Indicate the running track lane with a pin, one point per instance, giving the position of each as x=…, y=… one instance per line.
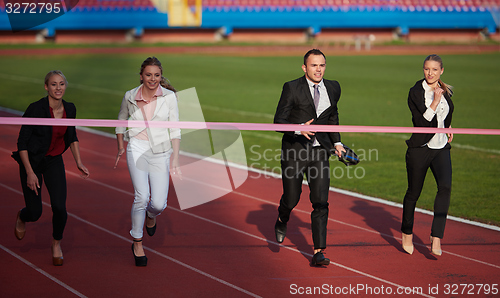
x=224, y=248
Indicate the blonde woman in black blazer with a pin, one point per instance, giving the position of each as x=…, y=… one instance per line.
x=430, y=104
x=39, y=154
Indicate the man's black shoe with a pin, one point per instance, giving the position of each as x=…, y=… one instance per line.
x=280, y=231
x=319, y=259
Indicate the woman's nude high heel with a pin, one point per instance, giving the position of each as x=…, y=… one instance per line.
x=436, y=252
x=405, y=240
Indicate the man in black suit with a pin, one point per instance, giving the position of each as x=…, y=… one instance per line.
x=308, y=100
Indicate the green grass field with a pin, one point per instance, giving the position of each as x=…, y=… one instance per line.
x=247, y=89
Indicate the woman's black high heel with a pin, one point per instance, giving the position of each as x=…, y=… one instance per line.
x=139, y=261
x=151, y=231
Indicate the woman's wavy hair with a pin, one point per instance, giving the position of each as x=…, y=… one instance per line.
x=165, y=83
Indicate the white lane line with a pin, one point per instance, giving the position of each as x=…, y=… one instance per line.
x=277, y=176
x=377, y=200
x=57, y=281
x=330, y=219
x=73, y=85
x=244, y=233
x=125, y=239
x=218, y=224
x=334, y=220
x=218, y=109
x=248, y=234
x=358, y=195
x=293, y=249
x=461, y=146
x=369, y=230
x=54, y=279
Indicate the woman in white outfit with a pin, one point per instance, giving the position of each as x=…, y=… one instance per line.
x=150, y=150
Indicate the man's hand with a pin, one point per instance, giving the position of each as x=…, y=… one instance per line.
x=339, y=149
x=307, y=134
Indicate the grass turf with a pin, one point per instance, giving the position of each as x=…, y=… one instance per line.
x=247, y=89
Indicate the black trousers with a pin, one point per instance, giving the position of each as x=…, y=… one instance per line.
x=418, y=161
x=313, y=162
x=51, y=169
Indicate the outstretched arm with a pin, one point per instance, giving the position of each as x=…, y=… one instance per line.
x=121, y=148
x=75, y=149
x=176, y=170
x=32, y=180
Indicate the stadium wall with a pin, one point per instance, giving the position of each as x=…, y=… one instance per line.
x=269, y=24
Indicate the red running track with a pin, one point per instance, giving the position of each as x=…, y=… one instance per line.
x=226, y=248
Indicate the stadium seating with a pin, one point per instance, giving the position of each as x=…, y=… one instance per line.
x=312, y=15
x=115, y=5
x=294, y=5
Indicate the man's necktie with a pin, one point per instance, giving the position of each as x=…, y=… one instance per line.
x=316, y=96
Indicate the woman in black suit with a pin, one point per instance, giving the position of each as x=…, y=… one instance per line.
x=431, y=106
x=39, y=154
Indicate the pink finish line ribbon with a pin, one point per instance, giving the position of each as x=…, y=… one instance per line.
x=239, y=126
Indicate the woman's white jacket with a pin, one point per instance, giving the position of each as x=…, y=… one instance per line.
x=166, y=110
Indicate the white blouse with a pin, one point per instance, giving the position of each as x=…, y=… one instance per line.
x=439, y=140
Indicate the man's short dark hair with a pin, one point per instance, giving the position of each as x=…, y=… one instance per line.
x=313, y=52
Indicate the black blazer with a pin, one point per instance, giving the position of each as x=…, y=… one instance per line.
x=36, y=138
x=416, y=103
x=296, y=106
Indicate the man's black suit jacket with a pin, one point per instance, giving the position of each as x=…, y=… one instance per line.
x=296, y=106
x=36, y=139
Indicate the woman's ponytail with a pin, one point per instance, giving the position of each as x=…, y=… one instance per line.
x=165, y=83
